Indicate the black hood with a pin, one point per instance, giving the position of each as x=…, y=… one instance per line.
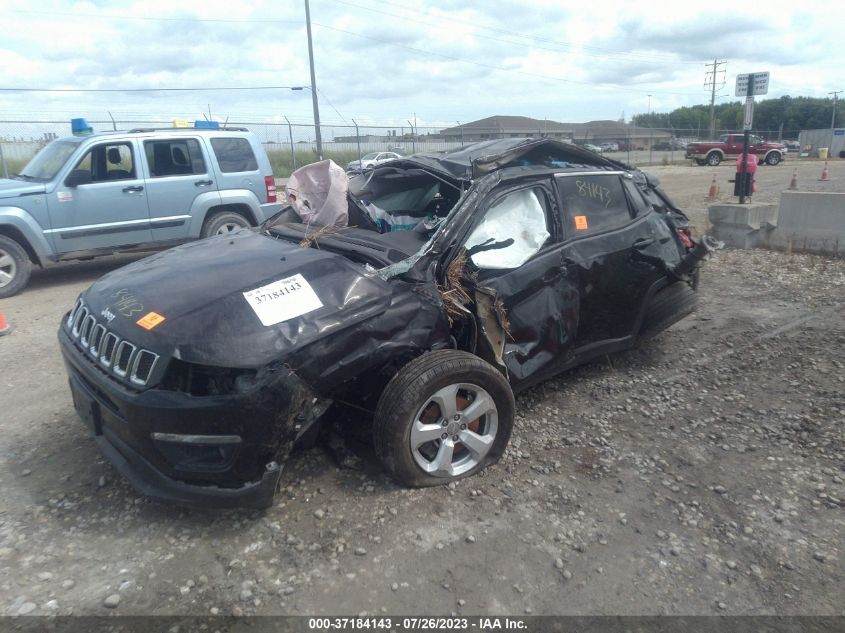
x=198, y=289
x=479, y=159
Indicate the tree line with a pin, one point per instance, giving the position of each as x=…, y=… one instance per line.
x=785, y=116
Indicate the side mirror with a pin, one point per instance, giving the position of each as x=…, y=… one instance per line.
x=78, y=177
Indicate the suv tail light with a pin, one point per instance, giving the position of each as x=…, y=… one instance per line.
x=271, y=188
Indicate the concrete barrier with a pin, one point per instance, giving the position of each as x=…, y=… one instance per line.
x=743, y=225
x=805, y=221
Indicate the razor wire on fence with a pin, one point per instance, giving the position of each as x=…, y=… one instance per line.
x=290, y=145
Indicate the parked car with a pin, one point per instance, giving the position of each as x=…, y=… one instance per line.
x=85, y=196
x=592, y=148
x=792, y=146
x=198, y=369
x=661, y=146
x=368, y=161
x=609, y=147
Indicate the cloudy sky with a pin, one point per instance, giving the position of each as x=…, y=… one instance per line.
x=384, y=61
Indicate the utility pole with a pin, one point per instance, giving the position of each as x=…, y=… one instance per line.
x=711, y=78
x=833, y=114
x=318, y=137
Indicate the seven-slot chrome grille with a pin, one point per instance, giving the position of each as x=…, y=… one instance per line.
x=122, y=358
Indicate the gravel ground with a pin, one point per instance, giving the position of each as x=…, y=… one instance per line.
x=701, y=473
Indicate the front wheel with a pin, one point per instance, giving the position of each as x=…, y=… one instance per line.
x=714, y=158
x=222, y=223
x=446, y=415
x=15, y=267
x=773, y=158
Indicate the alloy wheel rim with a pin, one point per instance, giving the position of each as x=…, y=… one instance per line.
x=8, y=268
x=454, y=430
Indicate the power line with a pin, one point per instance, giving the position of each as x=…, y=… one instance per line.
x=114, y=16
x=494, y=67
x=567, y=47
x=325, y=26
x=219, y=88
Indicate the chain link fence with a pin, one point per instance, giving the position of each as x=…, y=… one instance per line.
x=291, y=145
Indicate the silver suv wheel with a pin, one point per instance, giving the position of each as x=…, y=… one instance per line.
x=454, y=430
x=8, y=268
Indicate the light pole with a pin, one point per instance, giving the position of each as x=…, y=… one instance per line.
x=313, y=84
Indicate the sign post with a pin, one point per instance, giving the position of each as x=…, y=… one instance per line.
x=748, y=85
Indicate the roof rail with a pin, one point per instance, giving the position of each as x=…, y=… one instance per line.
x=159, y=129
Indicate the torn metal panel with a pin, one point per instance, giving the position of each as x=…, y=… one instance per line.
x=491, y=327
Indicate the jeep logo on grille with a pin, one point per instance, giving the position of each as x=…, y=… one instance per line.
x=107, y=314
x=127, y=304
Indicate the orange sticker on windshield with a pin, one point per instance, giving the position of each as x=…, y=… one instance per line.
x=581, y=222
x=150, y=320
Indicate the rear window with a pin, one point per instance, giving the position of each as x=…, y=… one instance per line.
x=174, y=157
x=592, y=203
x=234, y=154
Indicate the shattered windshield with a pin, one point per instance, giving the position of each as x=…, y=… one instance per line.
x=46, y=164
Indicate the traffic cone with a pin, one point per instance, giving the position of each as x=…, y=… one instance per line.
x=5, y=328
x=825, y=172
x=793, y=184
x=714, y=189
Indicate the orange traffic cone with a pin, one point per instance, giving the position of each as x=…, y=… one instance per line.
x=714, y=189
x=793, y=184
x=825, y=172
x=5, y=328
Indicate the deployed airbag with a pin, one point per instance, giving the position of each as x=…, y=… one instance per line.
x=317, y=192
x=517, y=223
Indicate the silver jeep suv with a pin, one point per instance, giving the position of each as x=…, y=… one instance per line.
x=85, y=196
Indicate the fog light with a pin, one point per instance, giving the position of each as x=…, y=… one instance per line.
x=198, y=453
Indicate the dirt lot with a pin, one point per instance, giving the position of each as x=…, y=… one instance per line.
x=701, y=473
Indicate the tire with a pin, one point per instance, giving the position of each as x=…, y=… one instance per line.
x=773, y=158
x=222, y=223
x=668, y=306
x=714, y=158
x=15, y=267
x=408, y=414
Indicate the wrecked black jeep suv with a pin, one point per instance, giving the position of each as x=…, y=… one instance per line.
x=199, y=368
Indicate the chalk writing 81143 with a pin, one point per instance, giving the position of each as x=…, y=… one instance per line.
x=594, y=191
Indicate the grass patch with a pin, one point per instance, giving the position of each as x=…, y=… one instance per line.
x=282, y=164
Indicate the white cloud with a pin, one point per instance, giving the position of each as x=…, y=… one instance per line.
x=381, y=61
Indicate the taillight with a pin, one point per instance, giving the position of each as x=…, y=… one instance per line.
x=685, y=238
x=271, y=188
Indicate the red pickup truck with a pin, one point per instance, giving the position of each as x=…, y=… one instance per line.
x=713, y=152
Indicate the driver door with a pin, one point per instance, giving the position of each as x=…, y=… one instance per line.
x=516, y=250
x=108, y=208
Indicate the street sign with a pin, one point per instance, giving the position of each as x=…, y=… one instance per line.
x=761, y=84
x=749, y=113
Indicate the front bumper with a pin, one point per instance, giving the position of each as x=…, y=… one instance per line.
x=135, y=429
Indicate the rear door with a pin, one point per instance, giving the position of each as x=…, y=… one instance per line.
x=613, y=246
x=177, y=174
x=109, y=209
